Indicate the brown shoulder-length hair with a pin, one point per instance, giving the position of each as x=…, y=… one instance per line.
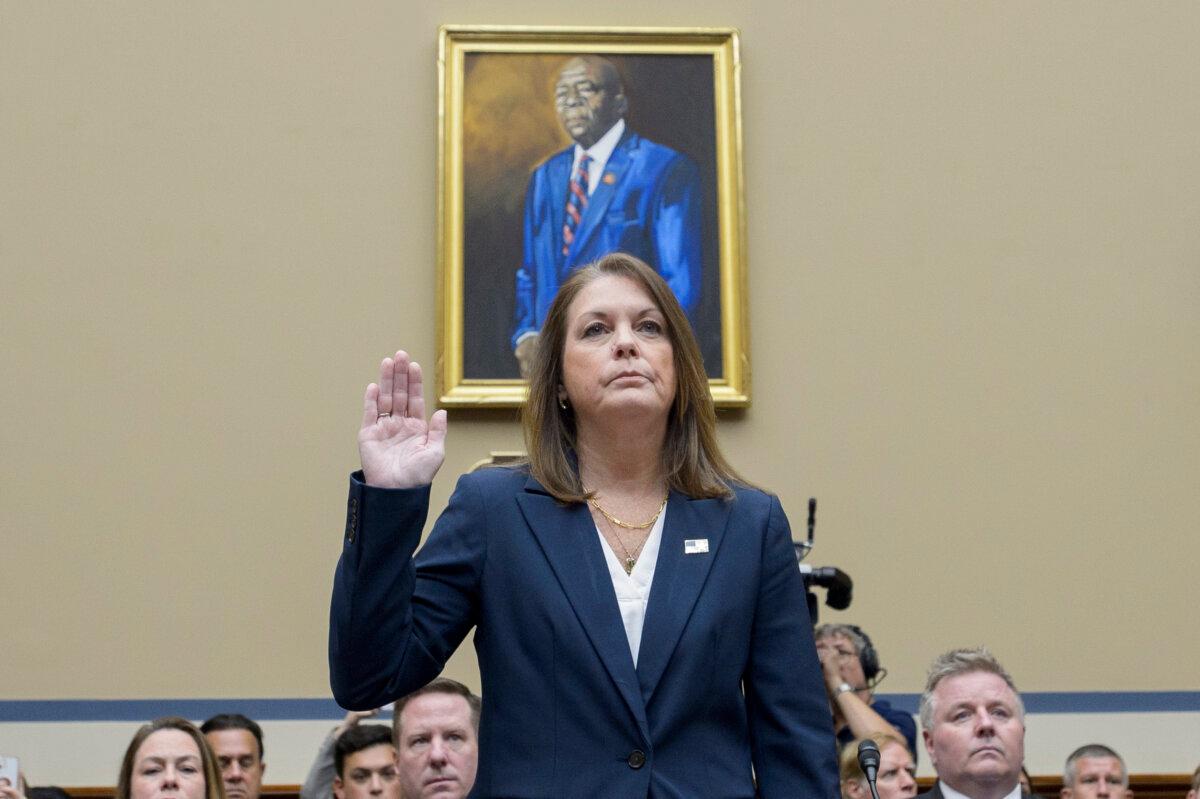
x=692, y=461
x=213, y=787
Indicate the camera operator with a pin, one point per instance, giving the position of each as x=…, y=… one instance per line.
x=851, y=668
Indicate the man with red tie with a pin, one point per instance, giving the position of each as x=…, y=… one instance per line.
x=611, y=191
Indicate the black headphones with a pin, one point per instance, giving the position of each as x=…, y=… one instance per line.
x=867, y=656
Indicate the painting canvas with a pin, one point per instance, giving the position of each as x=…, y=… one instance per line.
x=559, y=146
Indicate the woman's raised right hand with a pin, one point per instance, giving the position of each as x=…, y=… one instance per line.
x=398, y=448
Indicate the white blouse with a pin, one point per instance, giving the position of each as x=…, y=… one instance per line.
x=633, y=590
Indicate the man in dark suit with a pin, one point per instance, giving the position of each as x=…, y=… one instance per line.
x=237, y=743
x=437, y=740
x=610, y=191
x=973, y=722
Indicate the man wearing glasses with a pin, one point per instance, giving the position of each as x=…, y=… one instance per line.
x=851, y=668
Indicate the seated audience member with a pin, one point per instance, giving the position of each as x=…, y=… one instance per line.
x=237, y=743
x=1095, y=771
x=973, y=722
x=169, y=757
x=319, y=782
x=365, y=761
x=437, y=740
x=1194, y=793
x=896, y=777
x=851, y=668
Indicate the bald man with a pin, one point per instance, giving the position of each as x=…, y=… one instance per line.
x=610, y=191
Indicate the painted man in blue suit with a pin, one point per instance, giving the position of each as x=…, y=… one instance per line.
x=631, y=195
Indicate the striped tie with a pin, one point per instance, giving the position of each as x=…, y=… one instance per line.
x=577, y=200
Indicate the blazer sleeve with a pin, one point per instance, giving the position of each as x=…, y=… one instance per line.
x=791, y=725
x=394, y=619
x=676, y=229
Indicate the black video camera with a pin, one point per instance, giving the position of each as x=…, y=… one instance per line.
x=839, y=587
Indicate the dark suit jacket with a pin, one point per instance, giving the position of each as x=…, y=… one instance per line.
x=565, y=712
x=648, y=203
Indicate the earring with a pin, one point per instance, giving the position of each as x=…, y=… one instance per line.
x=562, y=403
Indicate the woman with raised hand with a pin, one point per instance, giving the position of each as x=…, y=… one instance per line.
x=640, y=622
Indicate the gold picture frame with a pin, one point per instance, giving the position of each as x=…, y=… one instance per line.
x=498, y=132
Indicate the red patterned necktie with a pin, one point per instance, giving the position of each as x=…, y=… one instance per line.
x=577, y=200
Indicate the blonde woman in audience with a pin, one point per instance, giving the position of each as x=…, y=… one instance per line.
x=897, y=774
x=169, y=759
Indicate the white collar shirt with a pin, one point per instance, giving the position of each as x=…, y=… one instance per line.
x=633, y=590
x=950, y=793
x=600, y=152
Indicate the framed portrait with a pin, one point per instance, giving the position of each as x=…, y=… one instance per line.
x=559, y=145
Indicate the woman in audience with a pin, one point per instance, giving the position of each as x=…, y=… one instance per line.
x=169, y=759
x=896, y=777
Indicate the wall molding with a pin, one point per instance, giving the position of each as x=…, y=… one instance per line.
x=299, y=709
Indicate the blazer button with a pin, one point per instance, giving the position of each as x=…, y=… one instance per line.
x=637, y=758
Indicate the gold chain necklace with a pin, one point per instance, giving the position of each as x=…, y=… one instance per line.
x=627, y=525
x=630, y=558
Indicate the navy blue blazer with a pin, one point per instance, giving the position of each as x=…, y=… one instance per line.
x=727, y=674
x=648, y=203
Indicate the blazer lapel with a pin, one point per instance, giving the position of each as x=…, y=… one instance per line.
x=614, y=173
x=568, y=537
x=679, y=576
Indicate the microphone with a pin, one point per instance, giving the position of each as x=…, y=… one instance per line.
x=804, y=547
x=868, y=760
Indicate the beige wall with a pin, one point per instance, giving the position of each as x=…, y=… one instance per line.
x=974, y=243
